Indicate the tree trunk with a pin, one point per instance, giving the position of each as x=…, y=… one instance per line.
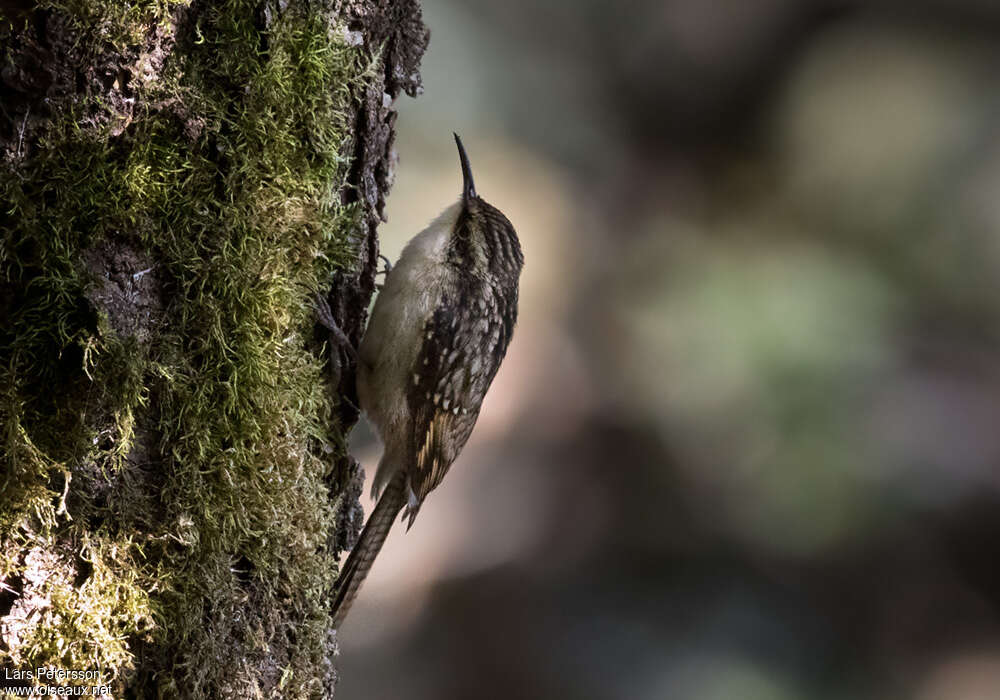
x=178, y=180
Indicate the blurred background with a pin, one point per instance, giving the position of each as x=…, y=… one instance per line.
x=745, y=444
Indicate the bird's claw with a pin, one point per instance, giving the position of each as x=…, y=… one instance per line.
x=388, y=265
x=325, y=316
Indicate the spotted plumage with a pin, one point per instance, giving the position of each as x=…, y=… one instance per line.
x=460, y=355
x=437, y=335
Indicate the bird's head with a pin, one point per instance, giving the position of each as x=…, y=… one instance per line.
x=482, y=232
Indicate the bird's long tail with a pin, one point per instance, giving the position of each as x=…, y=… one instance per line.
x=360, y=561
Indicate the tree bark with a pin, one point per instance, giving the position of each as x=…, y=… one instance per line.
x=178, y=180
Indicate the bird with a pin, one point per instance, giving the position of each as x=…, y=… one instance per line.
x=437, y=334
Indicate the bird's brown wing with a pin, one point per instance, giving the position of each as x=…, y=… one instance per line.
x=462, y=346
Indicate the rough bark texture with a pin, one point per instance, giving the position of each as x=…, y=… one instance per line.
x=177, y=181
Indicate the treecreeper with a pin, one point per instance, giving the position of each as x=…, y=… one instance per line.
x=437, y=335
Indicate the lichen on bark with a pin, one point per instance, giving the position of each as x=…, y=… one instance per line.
x=178, y=179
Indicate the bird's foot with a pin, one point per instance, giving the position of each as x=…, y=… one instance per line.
x=325, y=316
x=384, y=271
x=388, y=266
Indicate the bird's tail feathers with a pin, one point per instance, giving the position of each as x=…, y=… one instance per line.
x=360, y=561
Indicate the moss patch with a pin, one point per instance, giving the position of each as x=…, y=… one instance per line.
x=163, y=408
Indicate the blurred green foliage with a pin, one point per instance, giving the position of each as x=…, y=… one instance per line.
x=775, y=475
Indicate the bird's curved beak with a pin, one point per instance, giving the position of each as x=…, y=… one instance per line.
x=468, y=186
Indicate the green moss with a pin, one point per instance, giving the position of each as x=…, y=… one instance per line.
x=121, y=24
x=214, y=543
